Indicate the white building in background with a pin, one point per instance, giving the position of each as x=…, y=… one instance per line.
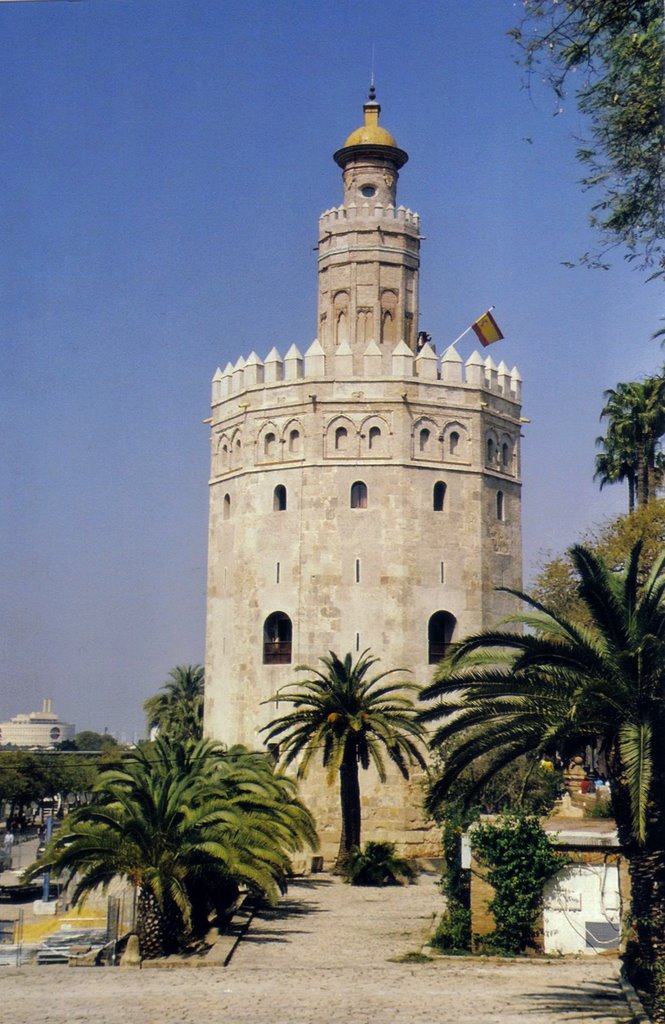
x=36, y=729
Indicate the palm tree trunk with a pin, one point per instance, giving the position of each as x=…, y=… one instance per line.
x=652, y=475
x=631, y=492
x=646, y=953
x=152, y=927
x=642, y=489
x=349, y=791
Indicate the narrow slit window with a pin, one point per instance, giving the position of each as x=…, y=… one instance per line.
x=226, y=513
x=439, y=496
x=423, y=439
x=357, y=641
x=357, y=570
x=277, y=572
x=374, y=437
x=500, y=506
x=443, y=572
x=453, y=442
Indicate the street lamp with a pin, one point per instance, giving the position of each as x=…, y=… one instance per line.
x=47, y=804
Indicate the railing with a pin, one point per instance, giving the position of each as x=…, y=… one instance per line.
x=277, y=652
x=437, y=652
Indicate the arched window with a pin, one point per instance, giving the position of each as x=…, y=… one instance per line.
x=500, y=506
x=279, y=498
x=365, y=326
x=341, y=328
x=423, y=439
x=225, y=456
x=270, y=444
x=439, y=496
x=226, y=507
x=387, y=327
x=294, y=441
x=440, y=631
x=453, y=442
x=490, y=451
x=277, y=639
x=505, y=455
x=374, y=437
x=358, y=495
x=389, y=316
x=341, y=438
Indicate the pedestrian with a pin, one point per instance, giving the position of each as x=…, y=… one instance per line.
x=7, y=844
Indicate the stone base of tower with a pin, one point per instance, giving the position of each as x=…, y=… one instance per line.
x=391, y=812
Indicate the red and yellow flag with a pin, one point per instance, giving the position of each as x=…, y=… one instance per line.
x=486, y=329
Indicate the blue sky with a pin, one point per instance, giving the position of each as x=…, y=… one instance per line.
x=164, y=165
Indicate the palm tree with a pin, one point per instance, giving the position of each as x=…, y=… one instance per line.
x=635, y=414
x=186, y=824
x=560, y=686
x=178, y=711
x=614, y=464
x=351, y=720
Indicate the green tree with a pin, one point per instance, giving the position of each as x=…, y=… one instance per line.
x=556, y=582
x=350, y=719
x=560, y=686
x=178, y=711
x=635, y=414
x=21, y=781
x=186, y=824
x=90, y=740
x=611, y=52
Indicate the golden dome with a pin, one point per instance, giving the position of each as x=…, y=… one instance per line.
x=371, y=134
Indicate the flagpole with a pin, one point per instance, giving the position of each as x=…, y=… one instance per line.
x=469, y=328
x=461, y=336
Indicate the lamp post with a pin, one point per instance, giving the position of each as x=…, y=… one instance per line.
x=48, y=803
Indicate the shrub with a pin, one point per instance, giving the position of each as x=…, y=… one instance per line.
x=378, y=865
x=453, y=932
x=519, y=860
x=601, y=809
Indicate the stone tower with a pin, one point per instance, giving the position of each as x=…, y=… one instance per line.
x=363, y=495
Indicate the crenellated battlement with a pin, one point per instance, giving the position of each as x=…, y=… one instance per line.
x=449, y=369
x=372, y=212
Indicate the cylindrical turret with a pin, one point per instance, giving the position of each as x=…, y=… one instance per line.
x=369, y=250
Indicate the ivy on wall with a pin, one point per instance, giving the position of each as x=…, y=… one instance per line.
x=519, y=859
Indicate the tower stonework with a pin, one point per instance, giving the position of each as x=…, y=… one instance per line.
x=363, y=495
x=369, y=251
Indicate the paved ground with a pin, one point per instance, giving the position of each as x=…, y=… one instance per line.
x=329, y=954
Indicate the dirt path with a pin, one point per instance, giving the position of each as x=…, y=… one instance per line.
x=329, y=954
